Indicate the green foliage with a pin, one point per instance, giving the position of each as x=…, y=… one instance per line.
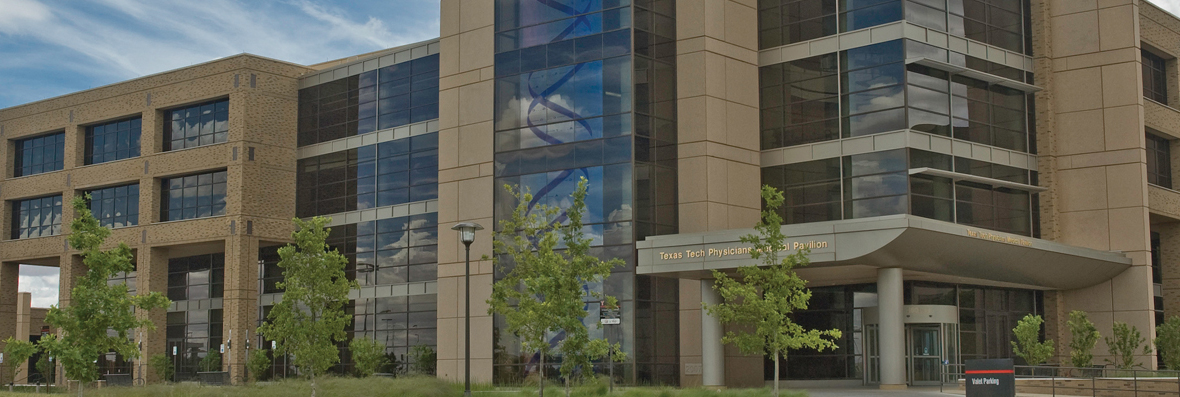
x=259, y=364
x=761, y=298
x=1125, y=341
x=211, y=362
x=546, y=264
x=45, y=367
x=1027, y=344
x=1084, y=336
x=162, y=365
x=96, y=307
x=16, y=352
x=368, y=355
x=424, y=359
x=1167, y=342
x=310, y=319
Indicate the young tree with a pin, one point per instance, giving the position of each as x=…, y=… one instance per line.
x=424, y=360
x=1027, y=344
x=367, y=354
x=542, y=291
x=17, y=352
x=95, y=306
x=763, y=297
x=162, y=365
x=310, y=319
x=1167, y=342
x=1083, y=337
x=258, y=364
x=211, y=362
x=1125, y=341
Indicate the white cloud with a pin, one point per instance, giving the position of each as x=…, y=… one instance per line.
x=1172, y=6
x=41, y=282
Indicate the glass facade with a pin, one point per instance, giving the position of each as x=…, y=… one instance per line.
x=400, y=322
x=393, y=96
x=389, y=251
x=879, y=183
x=112, y=141
x=116, y=206
x=587, y=88
x=395, y=172
x=37, y=217
x=194, y=332
x=1001, y=23
x=870, y=90
x=193, y=196
x=41, y=154
x=196, y=277
x=197, y=125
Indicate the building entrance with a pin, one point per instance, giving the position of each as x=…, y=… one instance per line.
x=931, y=338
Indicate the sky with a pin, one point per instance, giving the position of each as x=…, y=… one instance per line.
x=54, y=47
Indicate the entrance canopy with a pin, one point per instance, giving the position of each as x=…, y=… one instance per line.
x=911, y=243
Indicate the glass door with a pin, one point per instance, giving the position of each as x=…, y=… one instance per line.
x=873, y=372
x=925, y=354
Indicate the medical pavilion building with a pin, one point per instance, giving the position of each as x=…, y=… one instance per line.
x=952, y=165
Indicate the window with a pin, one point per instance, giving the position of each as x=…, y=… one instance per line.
x=393, y=96
x=38, y=217
x=387, y=251
x=1159, y=161
x=193, y=333
x=783, y=22
x=197, y=125
x=193, y=196
x=399, y=322
x=1155, y=81
x=116, y=206
x=196, y=277
x=45, y=153
x=811, y=190
x=112, y=141
x=388, y=173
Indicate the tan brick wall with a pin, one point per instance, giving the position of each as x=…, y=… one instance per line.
x=260, y=191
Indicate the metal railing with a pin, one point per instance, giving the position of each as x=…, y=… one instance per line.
x=1074, y=381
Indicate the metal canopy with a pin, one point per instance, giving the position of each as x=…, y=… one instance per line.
x=975, y=74
x=914, y=244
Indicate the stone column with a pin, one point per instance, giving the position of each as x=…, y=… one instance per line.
x=712, y=351
x=690, y=333
x=240, y=303
x=24, y=317
x=9, y=272
x=891, y=334
x=151, y=275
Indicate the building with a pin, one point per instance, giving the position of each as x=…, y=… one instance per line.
x=953, y=165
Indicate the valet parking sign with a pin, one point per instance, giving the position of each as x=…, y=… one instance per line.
x=990, y=378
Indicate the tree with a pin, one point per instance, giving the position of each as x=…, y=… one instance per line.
x=96, y=307
x=211, y=362
x=546, y=261
x=1125, y=341
x=367, y=355
x=45, y=368
x=17, y=352
x=424, y=360
x=1027, y=344
x=258, y=364
x=1084, y=336
x=310, y=319
x=1167, y=342
x=162, y=365
x=762, y=297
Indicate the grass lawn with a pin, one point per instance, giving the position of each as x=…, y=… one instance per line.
x=400, y=387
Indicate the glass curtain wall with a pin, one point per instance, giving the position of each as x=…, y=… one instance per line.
x=194, y=332
x=871, y=90
x=586, y=88
x=1001, y=23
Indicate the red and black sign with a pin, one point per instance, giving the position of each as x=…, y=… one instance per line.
x=990, y=378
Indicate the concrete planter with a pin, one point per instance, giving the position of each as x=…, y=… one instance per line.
x=218, y=378
x=118, y=380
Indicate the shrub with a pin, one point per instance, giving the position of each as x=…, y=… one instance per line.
x=1167, y=341
x=368, y=355
x=1084, y=336
x=259, y=365
x=211, y=362
x=1125, y=341
x=1027, y=344
x=424, y=360
x=162, y=366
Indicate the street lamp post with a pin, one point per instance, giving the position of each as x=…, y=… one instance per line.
x=467, y=236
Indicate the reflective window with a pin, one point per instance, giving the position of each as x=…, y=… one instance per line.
x=38, y=217
x=112, y=141
x=800, y=102
x=997, y=22
x=1159, y=161
x=399, y=322
x=393, y=96
x=193, y=334
x=116, y=206
x=875, y=100
x=45, y=153
x=197, y=125
x=193, y=196
x=389, y=173
x=271, y=272
x=196, y=277
x=811, y=190
x=388, y=251
x=875, y=184
x=972, y=203
x=782, y=22
x=860, y=14
x=1155, y=78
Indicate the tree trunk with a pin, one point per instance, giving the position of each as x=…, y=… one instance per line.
x=312, y=383
x=542, y=368
x=776, y=373
x=567, y=386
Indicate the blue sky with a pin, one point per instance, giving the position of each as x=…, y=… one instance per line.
x=55, y=47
